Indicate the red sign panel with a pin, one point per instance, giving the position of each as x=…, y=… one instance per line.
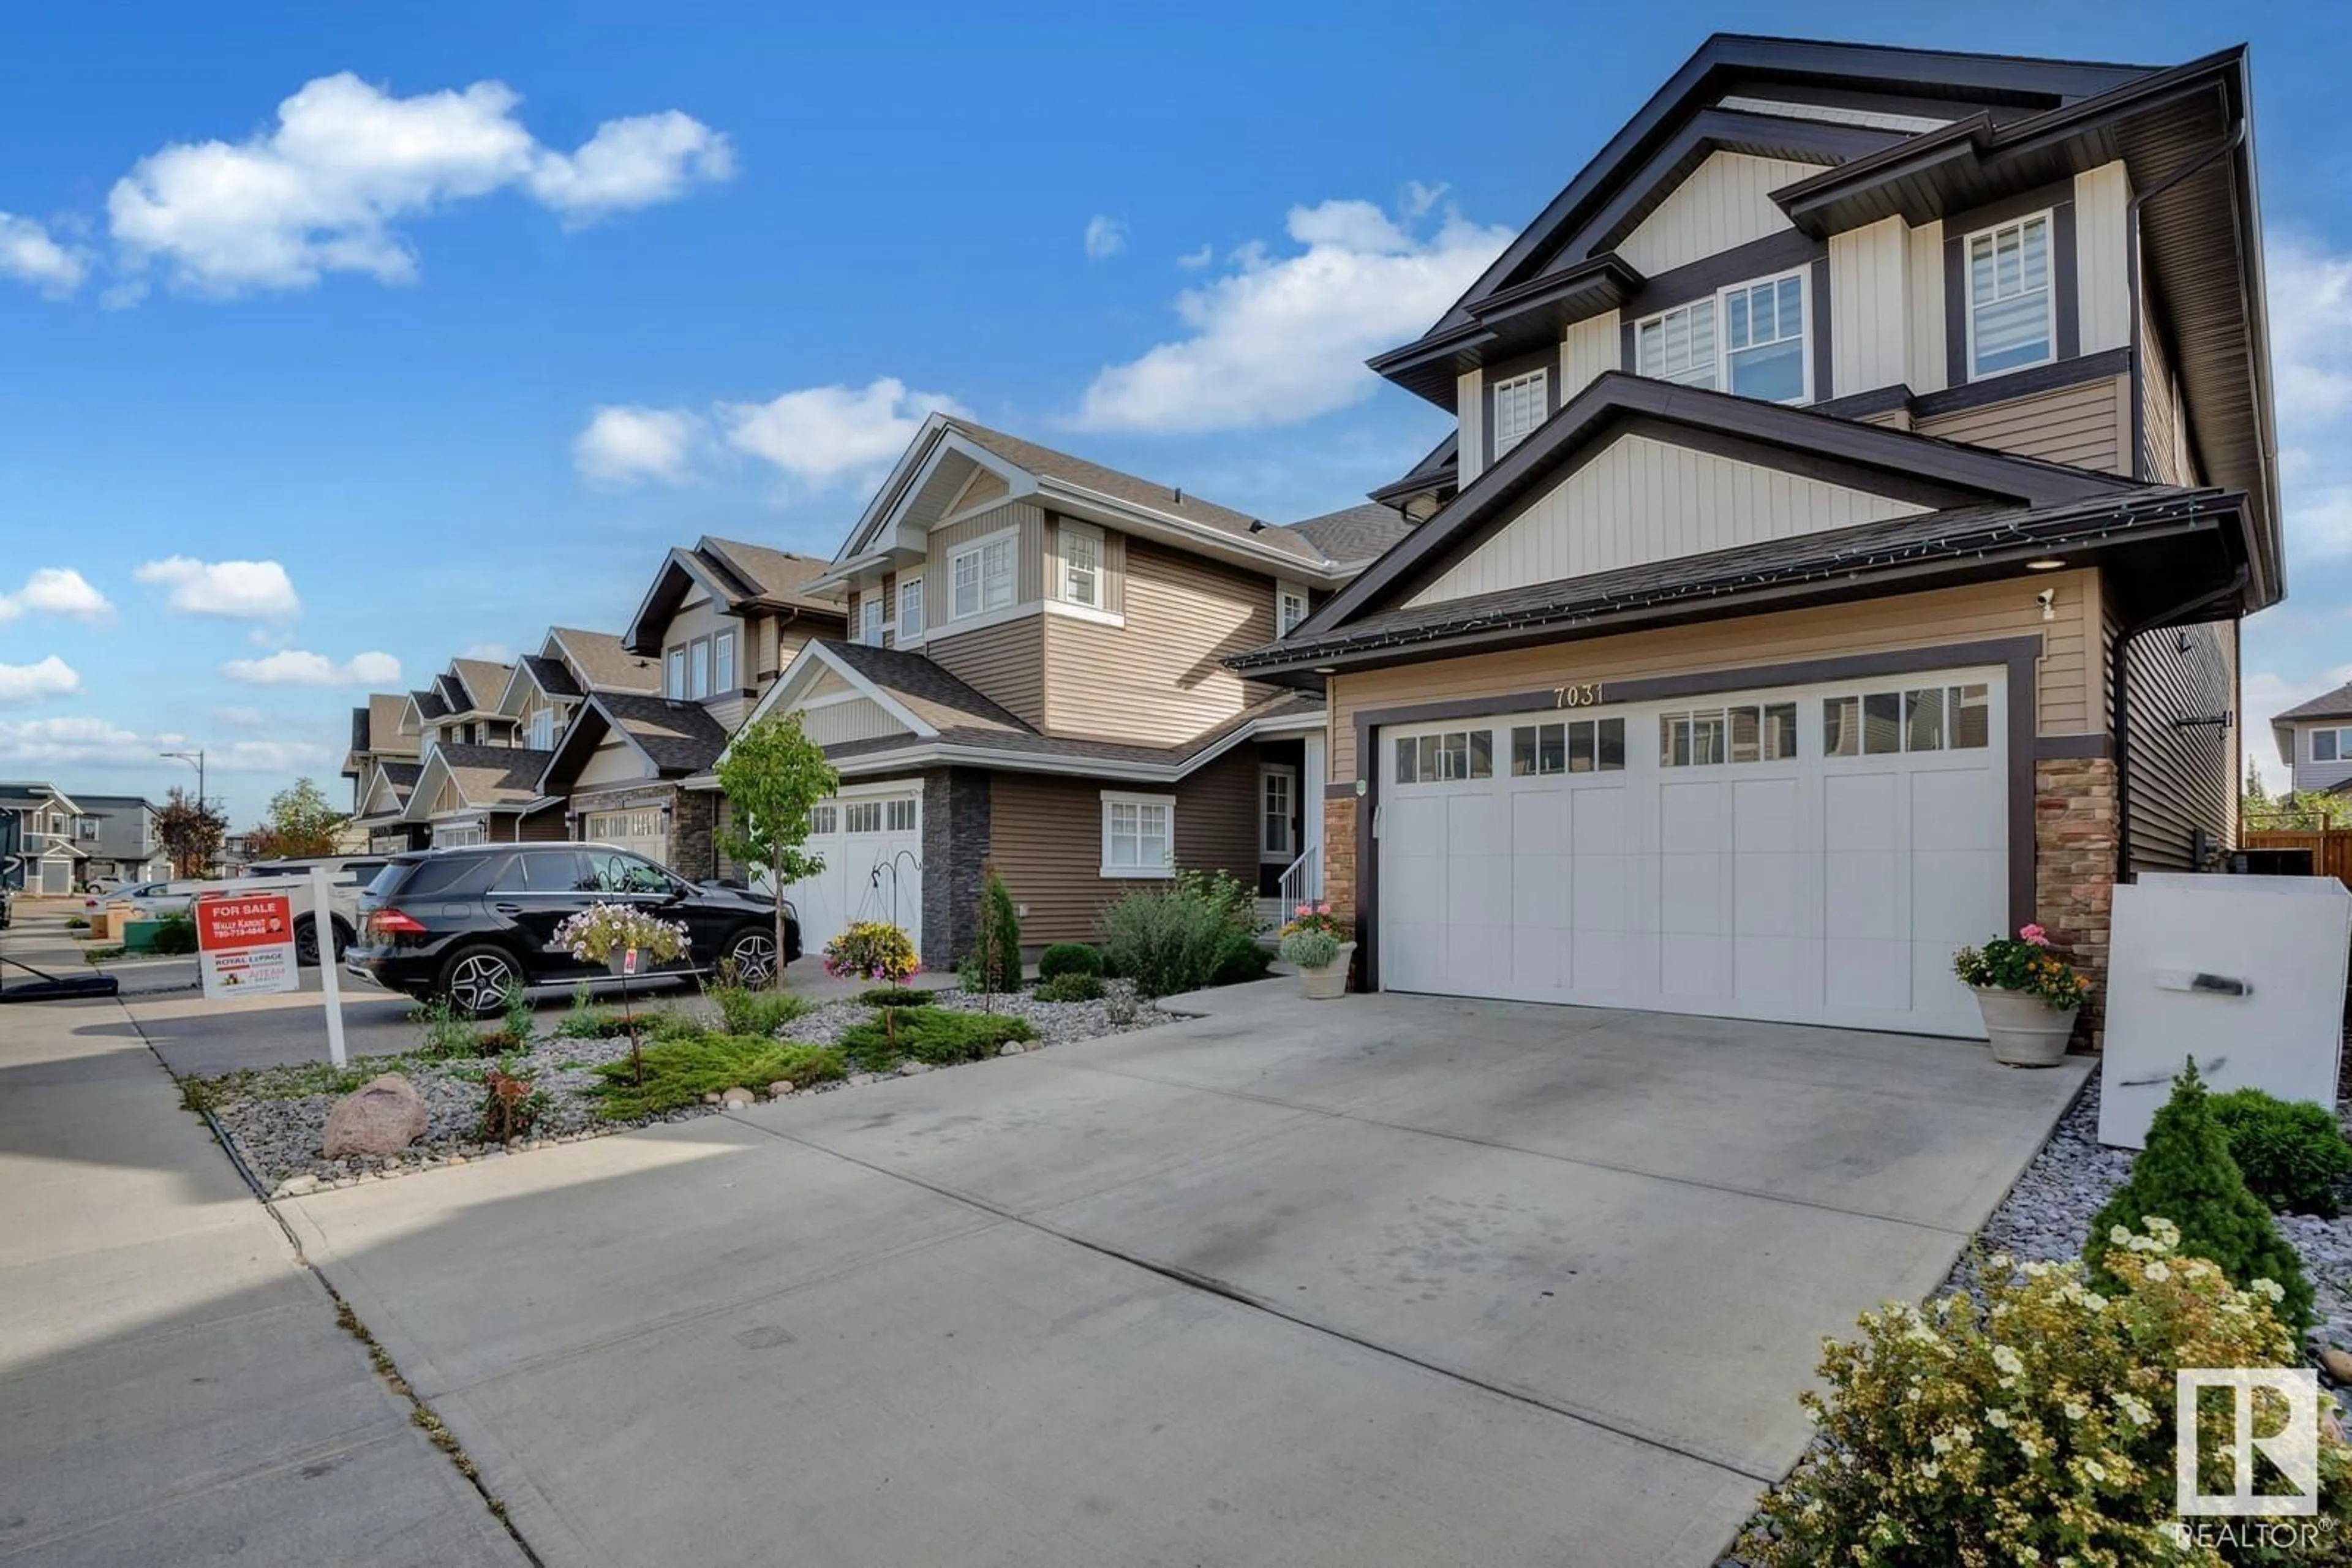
x=225, y=924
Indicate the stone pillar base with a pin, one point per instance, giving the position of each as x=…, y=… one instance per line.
x=2074, y=843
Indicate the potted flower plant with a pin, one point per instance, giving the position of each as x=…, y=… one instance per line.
x=2028, y=995
x=1315, y=943
x=627, y=940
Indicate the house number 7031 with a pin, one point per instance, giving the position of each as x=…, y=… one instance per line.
x=1578, y=694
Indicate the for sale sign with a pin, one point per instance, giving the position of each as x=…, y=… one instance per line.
x=244, y=945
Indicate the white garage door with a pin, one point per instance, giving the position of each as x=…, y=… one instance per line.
x=638, y=831
x=1812, y=855
x=873, y=850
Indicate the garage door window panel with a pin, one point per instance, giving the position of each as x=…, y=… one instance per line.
x=862, y=815
x=1920, y=719
x=1572, y=746
x=1451, y=755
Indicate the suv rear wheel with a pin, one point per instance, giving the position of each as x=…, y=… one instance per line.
x=475, y=979
x=753, y=952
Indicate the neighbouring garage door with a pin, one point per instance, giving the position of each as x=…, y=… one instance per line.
x=637, y=830
x=1810, y=855
x=873, y=850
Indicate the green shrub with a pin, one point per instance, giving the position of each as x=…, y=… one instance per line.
x=76, y=922
x=100, y=954
x=1069, y=988
x=1069, y=958
x=672, y=1023
x=516, y=1020
x=680, y=1072
x=2185, y=1177
x=994, y=962
x=937, y=1036
x=175, y=935
x=896, y=997
x=1310, y=948
x=1197, y=930
x=743, y=1010
x=449, y=1035
x=2292, y=1153
x=2036, y=1426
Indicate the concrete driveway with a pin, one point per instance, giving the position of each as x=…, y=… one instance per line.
x=1385, y=1280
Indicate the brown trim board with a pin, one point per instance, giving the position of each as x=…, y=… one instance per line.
x=2059, y=747
x=2018, y=653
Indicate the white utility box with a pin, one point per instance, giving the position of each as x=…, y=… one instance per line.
x=2244, y=973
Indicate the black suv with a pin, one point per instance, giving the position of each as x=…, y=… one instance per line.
x=466, y=924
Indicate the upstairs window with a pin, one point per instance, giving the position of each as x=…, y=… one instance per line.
x=543, y=730
x=722, y=662
x=1747, y=339
x=1518, y=409
x=2010, y=323
x=981, y=576
x=698, y=669
x=1082, y=551
x=675, y=683
x=1289, y=608
x=869, y=618
x=911, y=608
x=2331, y=745
x=1678, y=345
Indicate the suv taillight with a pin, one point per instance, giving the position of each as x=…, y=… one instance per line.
x=392, y=923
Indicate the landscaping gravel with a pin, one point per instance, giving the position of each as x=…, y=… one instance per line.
x=277, y=1134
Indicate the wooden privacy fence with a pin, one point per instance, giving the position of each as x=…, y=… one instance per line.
x=2331, y=847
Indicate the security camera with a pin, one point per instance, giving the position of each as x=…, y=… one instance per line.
x=2048, y=600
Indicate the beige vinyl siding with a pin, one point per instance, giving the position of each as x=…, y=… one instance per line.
x=2164, y=422
x=1973, y=613
x=1644, y=499
x=785, y=639
x=1869, y=316
x=1004, y=663
x=1217, y=816
x=1159, y=680
x=1470, y=419
x=828, y=683
x=1726, y=201
x=1587, y=350
x=1925, y=308
x=861, y=719
x=1029, y=559
x=984, y=485
x=615, y=762
x=2087, y=425
x=2102, y=280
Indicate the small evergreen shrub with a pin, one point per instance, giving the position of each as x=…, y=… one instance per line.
x=1069, y=958
x=1069, y=988
x=175, y=935
x=2185, y=1177
x=743, y=1010
x=680, y=1072
x=672, y=1023
x=937, y=1036
x=2292, y=1153
x=1199, y=930
x=994, y=962
x=896, y=997
x=2034, y=1427
x=1242, y=960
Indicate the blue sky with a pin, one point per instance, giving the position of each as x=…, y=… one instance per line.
x=461, y=315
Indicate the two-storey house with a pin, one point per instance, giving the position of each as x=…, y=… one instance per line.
x=38, y=852
x=1861, y=469
x=721, y=621
x=117, y=833
x=474, y=781
x=2315, y=741
x=1034, y=678
x=382, y=767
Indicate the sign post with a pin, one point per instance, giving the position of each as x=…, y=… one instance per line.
x=244, y=945
x=330, y=962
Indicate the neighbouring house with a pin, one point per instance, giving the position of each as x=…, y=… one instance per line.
x=547, y=686
x=382, y=767
x=38, y=849
x=117, y=833
x=475, y=793
x=2315, y=741
x=1861, y=470
x=461, y=706
x=1034, y=678
x=720, y=621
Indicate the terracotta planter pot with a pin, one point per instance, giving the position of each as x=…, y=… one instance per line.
x=1331, y=980
x=2024, y=1030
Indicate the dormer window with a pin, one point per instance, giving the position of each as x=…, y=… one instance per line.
x=1747, y=339
x=2011, y=324
x=1518, y=409
x=869, y=618
x=722, y=662
x=1082, y=551
x=543, y=730
x=910, y=609
x=675, y=685
x=980, y=575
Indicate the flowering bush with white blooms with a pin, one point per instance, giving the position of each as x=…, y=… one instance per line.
x=2035, y=1425
x=595, y=933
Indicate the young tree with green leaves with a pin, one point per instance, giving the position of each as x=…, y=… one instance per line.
x=301, y=822
x=772, y=774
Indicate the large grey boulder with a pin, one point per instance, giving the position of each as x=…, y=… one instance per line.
x=382, y=1116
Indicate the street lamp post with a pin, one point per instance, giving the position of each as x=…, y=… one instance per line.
x=197, y=760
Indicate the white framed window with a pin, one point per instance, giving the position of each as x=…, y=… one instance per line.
x=1454, y=754
x=980, y=576
x=1747, y=339
x=1752, y=732
x=1922, y=719
x=1518, y=409
x=2011, y=306
x=1082, y=554
x=1289, y=608
x=2331, y=745
x=824, y=818
x=1138, y=835
x=899, y=814
x=722, y=662
x=862, y=816
x=869, y=618
x=911, y=608
x=543, y=730
x=675, y=680
x=1569, y=746
x=1278, y=790
x=698, y=669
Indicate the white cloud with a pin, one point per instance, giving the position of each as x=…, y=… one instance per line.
x=624, y=443
x=247, y=590
x=822, y=435
x=1193, y=260
x=1419, y=198
x=81, y=741
x=294, y=667
x=1279, y=340
x=490, y=652
x=322, y=191
x=2311, y=339
x=31, y=682
x=1105, y=236
x=242, y=718
x=30, y=254
x=57, y=591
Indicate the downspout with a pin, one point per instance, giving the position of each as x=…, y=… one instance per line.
x=2221, y=149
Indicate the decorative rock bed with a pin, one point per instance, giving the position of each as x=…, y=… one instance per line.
x=278, y=1130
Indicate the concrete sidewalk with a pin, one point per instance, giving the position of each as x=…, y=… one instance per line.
x=173, y=1387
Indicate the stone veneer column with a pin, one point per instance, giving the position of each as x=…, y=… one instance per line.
x=1339, y=885
x=955, y=844
x=2074, y=843
x=694, y=815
